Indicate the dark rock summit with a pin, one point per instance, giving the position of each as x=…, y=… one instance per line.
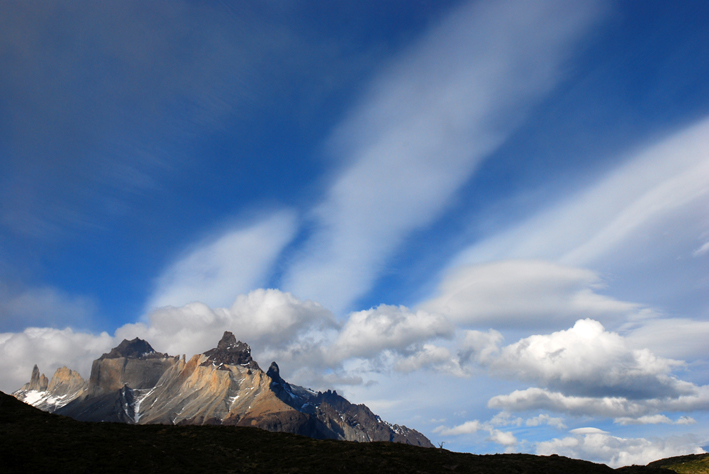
x=273, y=371
x=223, y=386
x=229, y=351
x=135, y=349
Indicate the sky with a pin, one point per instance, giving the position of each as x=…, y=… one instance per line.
x=488, y=221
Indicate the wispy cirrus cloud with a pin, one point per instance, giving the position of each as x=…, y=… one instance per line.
x=236, y=261
x=654, y=420
x=422, y=129
x=642, y=220
x=681, y=338
x=535, y=398
x=104, y=114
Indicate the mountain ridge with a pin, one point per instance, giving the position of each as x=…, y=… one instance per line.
x=134, y=384
x=35, y=441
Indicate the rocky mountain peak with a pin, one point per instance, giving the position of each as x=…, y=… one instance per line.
x=274, y=372
x=66, y=385
x=229, y=351
x=134, y=384
x=137, y=348
x=38, y=381
x=66, y=380
x=228, y=341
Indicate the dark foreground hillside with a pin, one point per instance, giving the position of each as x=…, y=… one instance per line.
x=690, y=464
x=34, y=441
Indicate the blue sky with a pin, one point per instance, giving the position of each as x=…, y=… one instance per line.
x=486, y=220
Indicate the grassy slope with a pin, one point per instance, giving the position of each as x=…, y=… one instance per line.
x=692, y=464
x=34, y=441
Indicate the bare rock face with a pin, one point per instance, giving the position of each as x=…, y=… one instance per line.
x=66, y=381
x=109, y=375
x=66, y=385
x=133, y=363
x=38, y=382
x=200, y=392
x=117, y=379
x=135, y=384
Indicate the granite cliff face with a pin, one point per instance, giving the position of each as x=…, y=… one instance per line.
x=133, y=363
x=66, y=386
x=117, y=380
x=135, y=384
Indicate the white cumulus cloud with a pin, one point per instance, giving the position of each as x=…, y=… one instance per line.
x=431, y=356
x=544, y=419
x=277, y=325
x=587, y=360
x=394, y=328
x=50, y=349
x=468, y=427
x=599, y=446
x=271, y=321
x=504, y=438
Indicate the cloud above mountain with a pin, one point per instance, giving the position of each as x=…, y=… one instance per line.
x=457, y=210
x=265, y=319
x=584, y=370
x=50, y=349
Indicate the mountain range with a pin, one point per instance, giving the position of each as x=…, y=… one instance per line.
x=35, y=441
x=134, y=384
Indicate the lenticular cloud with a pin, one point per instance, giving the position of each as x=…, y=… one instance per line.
x=524, y=294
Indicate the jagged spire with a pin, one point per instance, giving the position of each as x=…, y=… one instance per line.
x=228, y=341
x=229, y=351
x=38, y=381
x=274, y=372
